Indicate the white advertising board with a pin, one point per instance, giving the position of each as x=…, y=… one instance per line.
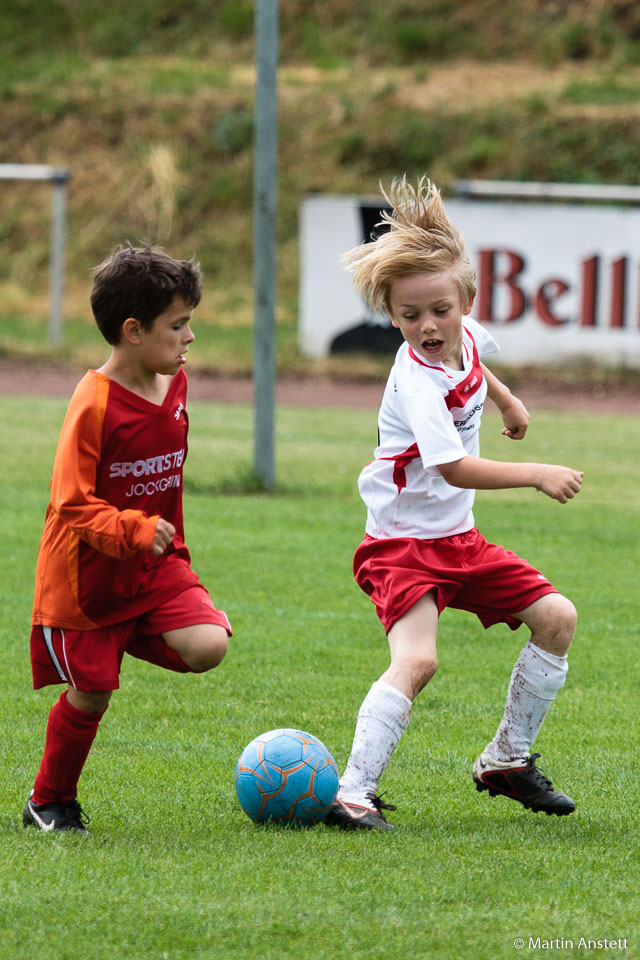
x=556, y=281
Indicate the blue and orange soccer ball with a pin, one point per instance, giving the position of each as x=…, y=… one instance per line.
x=286, y=776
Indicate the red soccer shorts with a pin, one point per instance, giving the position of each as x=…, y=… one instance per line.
x=91, y=659
x=465, y=571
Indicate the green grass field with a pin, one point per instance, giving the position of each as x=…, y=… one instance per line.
x=173, y=868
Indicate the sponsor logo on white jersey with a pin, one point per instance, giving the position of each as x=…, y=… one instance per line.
x=462, y=425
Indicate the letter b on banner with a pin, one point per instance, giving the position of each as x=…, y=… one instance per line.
x=492, y=275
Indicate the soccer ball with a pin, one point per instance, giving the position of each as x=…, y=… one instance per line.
x=286, y=776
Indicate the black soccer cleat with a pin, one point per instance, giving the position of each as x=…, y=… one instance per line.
x=359, y=816
x=51, y=817
x=521, y=780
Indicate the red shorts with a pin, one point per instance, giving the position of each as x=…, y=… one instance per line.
x=465, y=571
x=91, y=659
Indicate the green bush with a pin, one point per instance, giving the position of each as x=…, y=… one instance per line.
x=234, y=130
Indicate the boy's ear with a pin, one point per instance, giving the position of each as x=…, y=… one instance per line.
x=387, y=311
x=131, y=330
x=471, y=301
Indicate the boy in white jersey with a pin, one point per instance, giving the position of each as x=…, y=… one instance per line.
x=421, y=551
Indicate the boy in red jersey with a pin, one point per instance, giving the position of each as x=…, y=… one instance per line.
x=421, y=552
x=113, y=572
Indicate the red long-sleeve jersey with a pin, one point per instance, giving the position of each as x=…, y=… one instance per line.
x=118, y=467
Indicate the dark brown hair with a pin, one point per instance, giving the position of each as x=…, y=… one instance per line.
x=140, y=282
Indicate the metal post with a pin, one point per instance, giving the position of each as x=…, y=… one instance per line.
x=265, y=188
x=58, y=239
x=58, y=176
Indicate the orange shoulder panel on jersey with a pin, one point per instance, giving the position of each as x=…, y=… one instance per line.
x=76, y=513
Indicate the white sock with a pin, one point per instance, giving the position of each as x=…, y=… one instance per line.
x=382, y=719
x=536, y=679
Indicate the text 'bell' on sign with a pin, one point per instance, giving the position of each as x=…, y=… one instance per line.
x=556, y=281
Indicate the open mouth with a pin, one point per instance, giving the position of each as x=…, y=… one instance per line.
x=431, y=346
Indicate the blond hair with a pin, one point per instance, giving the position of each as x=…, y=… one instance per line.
x=420, y=239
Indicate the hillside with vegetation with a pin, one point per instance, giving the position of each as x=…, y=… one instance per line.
x=150, y=106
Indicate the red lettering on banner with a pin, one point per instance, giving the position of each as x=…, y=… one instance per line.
x=618, y=291
x=546, y=296
x=549, y=292
x=489, y=278
x=590, y=270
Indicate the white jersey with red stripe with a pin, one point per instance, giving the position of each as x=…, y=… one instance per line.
x=430, y=414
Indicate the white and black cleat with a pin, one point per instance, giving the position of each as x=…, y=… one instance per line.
x=55, y=817
x=519, y=779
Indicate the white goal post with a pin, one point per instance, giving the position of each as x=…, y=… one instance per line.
x=58, y=177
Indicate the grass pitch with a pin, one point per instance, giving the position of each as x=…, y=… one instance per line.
x=173, y=868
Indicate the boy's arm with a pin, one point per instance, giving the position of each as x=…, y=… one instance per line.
x=515, y=415
x=118, y=533
x=558, y=482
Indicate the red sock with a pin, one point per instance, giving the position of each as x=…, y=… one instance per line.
x=70, y=734
x=156, y=650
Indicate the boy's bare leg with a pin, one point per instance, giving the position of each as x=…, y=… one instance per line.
x=552, y=620
x=89, y=701
x=412, y=642
x=384, y=716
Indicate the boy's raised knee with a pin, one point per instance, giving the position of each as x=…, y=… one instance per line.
x=562, y=616
x=555, y=624
x=202, y=647
x=211, y=649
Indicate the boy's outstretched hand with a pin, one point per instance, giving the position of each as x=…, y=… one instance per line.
x=164, y=534
x=560, y=483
